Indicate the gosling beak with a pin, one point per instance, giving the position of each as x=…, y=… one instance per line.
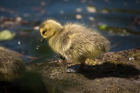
x=42, y=40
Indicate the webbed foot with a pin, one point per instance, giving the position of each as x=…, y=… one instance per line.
x=75, y=68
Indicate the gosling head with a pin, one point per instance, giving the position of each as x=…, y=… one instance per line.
x=50, y=28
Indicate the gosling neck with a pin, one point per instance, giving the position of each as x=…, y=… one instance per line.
x=53, y=41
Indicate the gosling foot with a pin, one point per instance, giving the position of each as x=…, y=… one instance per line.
x=75, y=68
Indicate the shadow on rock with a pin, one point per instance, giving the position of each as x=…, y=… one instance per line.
x=111, y=70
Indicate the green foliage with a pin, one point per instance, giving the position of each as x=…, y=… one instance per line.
x=103, y=27
x=6, y=35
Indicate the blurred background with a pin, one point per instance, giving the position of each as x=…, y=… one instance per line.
x=117, y=20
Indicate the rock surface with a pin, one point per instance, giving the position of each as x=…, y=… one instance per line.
x=112, y=72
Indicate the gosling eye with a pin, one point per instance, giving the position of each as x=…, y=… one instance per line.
x=44, y=32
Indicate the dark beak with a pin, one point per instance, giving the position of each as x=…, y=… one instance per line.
x=42, y=40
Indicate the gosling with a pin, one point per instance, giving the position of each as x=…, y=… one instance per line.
x=11, y=66
x=74, y=41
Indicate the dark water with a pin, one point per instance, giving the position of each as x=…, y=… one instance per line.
x=120, y=18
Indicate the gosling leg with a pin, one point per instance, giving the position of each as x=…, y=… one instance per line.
x=81, y=67
x=60, y=56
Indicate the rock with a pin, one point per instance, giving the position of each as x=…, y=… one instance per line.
x=12, y=67
x=112, y=72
